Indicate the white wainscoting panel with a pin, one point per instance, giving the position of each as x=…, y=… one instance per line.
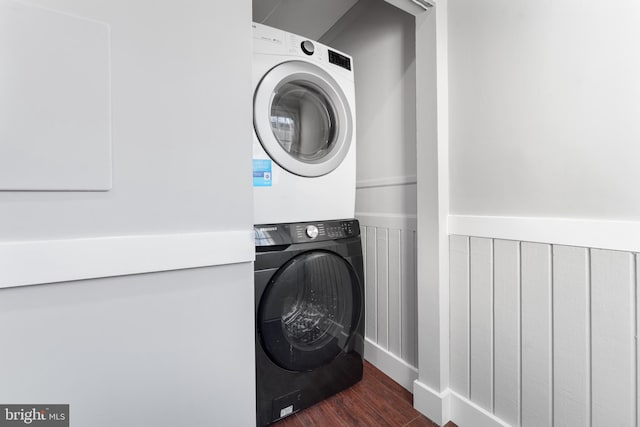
x=394, y=330
x=481, y=344
x=389, y=246
x=564, y=330
x=506, y=328
x=613, y=358
x=368, y=235
x=536, y=335
x=382, y=283
x=408, y=297
x=571, y=336
x=459, y=314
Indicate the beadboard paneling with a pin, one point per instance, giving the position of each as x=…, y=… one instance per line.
x=370, y=288
x=507, y=330
x=408, y=297
x=481, y=343
x=564, y=323
x=613, y=358
x=389, y=244
x=382, y=283
x=571, y=336
x=536, y=335
x=459, y=314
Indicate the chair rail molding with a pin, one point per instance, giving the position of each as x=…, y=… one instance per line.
x=590, y=233
x=47, y=261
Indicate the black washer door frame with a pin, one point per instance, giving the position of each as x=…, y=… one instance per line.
x=310, y=310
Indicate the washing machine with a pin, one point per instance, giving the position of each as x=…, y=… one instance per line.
x=304, y=147
x=309, y=301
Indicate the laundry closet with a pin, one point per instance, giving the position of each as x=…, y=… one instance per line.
x=381, y=38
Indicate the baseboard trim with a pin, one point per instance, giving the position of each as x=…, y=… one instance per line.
x=396, y=368
x=430, y=403
x=450, y=406
x=589, y=233
x=48, y=261
x=463, y=412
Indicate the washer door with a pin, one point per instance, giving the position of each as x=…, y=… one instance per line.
x=309, y=311
x=302, y=118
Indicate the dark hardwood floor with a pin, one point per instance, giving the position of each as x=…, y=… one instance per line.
x=377, y=400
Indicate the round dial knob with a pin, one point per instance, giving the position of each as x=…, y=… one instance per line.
x=307, y=47
x=312, y=231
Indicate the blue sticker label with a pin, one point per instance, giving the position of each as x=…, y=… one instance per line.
x=261, y=173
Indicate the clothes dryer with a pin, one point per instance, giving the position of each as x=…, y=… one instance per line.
x=304, y=160
x=309, y=300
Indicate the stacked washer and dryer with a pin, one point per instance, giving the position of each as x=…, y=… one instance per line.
x=309, y=293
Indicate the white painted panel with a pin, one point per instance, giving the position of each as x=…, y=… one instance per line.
x=395, y=279
x=507, y=330
x=613, y=346
x=363, y=241
x=370, y=285
x=55, y=100
x=409, y=302
x=382, y=283
x=536, y=335
x=571, y=352
x=459, y=313
x=145, y=341
x=481, y=330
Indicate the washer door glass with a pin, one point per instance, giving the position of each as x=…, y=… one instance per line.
x=302, y=118
x=309, y=311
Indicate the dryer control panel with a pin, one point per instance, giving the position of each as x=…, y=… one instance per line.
x=303, y=232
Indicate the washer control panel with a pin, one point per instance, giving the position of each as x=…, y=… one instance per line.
x=302, y=232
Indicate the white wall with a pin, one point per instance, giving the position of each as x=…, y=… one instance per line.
x=381, y=39
x=170, y=103
x=154, y=348
x=161, y=349
x=543, y=105
x=544, y=100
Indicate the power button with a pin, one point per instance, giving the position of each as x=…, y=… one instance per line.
x=312, y=231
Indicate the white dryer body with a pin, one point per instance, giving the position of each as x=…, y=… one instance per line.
x=304, y=143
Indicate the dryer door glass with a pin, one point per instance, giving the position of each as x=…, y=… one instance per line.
x=303, y=120
x=309, y=311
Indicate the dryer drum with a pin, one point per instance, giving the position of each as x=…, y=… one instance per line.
x=309, y=311
x=303, y=121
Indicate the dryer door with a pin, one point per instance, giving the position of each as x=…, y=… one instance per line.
x=309, y=311
x=302, y=118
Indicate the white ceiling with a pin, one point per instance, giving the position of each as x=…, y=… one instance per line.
x=308, y=18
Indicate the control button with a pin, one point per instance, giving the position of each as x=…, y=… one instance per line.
x=312, y=231
x=307, y=47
